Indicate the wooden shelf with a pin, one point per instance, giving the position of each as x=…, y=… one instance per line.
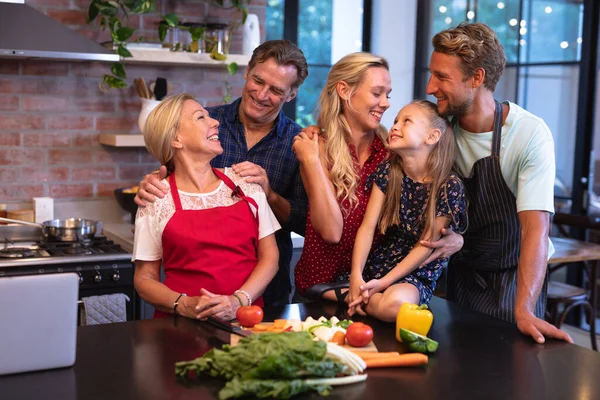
x=165, y=56
x=118, y=140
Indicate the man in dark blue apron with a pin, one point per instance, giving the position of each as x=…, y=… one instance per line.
x=506, y=158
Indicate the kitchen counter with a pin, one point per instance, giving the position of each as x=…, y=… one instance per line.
x=122, y=234
x=479, y=357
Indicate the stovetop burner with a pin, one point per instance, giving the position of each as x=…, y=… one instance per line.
x=16, y=252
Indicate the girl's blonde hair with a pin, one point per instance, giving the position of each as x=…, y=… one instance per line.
x=337, y=134
x=439, y=165
x=161, y=128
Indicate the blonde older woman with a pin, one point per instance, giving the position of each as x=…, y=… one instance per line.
x=213, y=234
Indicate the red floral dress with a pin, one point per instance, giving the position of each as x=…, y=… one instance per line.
x=323, y=262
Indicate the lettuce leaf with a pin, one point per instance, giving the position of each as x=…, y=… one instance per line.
x=269, y=364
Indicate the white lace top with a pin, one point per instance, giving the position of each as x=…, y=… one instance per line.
x=151, y=220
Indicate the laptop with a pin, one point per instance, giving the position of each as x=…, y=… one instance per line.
x=38, y=322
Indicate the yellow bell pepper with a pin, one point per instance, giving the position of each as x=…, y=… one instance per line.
x=415, y=318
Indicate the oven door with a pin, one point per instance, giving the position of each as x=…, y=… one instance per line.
x=132, y=306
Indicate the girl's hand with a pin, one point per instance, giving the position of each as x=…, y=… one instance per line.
x=214, y=305
x=372, y=287
x=306, y=147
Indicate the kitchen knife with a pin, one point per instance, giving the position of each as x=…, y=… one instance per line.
x=160, y=89
x=227, y=326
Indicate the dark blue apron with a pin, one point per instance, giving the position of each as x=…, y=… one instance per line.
x=483, y=275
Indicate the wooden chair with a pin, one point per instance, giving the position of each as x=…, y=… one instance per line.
x=573, y=296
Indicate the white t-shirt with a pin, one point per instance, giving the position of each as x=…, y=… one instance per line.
x=151, y=220
x=526, y=158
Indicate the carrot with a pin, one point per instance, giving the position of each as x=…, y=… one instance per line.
x=371, y=355
x=280, y=323
x=402, y=360
x=339, y=338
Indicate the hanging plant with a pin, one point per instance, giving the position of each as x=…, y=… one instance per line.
x=113, y=16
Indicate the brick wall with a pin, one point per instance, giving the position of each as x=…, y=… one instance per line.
x=51, y=112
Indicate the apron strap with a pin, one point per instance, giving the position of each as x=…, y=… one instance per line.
x=237, y=191
x=497, y=135
x=174, y=192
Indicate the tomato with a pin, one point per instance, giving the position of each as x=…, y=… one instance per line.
x=359, y=334
x=248, y=316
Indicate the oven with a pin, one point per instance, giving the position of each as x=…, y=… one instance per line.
x=102, y=265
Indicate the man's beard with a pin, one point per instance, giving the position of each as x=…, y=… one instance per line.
x=457, y=110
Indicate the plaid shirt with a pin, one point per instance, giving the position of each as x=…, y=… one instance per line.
x=273, y=153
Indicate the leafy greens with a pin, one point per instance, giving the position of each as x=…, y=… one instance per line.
x=267, y=365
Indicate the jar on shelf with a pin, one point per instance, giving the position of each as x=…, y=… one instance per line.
x=216, y=37
x=192, y=36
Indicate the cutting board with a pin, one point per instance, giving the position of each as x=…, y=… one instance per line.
x=236, y=338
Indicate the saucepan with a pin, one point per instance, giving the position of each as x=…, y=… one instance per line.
x=62, y=230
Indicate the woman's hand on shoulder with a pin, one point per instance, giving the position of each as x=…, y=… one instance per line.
x=306, y=147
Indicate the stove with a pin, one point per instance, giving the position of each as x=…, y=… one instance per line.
x=103, y=266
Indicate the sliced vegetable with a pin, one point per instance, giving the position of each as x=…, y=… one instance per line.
x=418, y=343
x=339, y=338
x=403, y=360
x=414, y=318
x=370, y=355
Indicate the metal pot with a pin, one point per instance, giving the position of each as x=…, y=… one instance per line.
x=63, y=230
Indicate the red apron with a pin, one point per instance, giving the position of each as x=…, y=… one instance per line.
x=214, y=249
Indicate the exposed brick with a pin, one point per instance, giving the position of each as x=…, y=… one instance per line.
x=21, y=85
x=72, y=87
x=70, y=122
x=21, y=122
x=119, y=155
x=124, y=123
x=44, y=173
x=71, y=156
x=68, y=17
x=22, y=192
x=96, y=70
x=37, y=3
x=9, y=175
x=47, y=67
x=108, y=189
x=46, y=139
x=129, y=104
x=9, y=103
x=21, y=156
x=41, y=103
x=74, y=190
x=10, y=139
x=9, y=67
x=93, y=104
x=84, y=139
x=135, y=172
x=146, y=157
x=97, y=173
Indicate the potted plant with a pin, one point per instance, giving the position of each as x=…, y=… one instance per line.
x=114, y=14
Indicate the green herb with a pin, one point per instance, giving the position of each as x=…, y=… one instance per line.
x=268, y=363
x=326, y=324
x=345, y=323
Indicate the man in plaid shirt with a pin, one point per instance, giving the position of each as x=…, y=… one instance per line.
x=256, y=137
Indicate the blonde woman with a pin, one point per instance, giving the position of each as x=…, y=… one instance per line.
x=336, y=162
x=414, y=196
x=213, y=233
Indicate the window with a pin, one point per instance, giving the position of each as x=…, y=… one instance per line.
x=325, y=30
x=542, y=40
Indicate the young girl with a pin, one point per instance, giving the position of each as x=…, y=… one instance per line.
x=415, y=195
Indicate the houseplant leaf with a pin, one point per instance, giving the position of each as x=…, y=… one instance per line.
x=232, y=68
x=123, y=52
x=118, y=69
x=124, y=33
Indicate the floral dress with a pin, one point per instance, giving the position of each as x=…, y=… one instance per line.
x=399, y=239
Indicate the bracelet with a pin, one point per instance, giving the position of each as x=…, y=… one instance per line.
x=176, y=303
x=245, y=294
x=238, y=298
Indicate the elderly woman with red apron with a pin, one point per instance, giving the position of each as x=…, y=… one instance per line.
x=213, y=233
